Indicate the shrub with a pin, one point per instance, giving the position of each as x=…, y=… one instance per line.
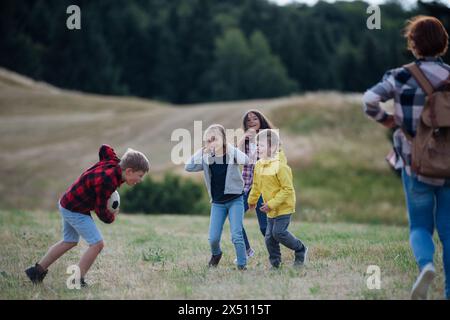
x=171, y=195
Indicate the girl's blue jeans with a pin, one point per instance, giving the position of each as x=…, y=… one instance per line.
x=262, y=217
x=234, y=210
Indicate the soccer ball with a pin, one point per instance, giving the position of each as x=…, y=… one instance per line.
x=113, y=203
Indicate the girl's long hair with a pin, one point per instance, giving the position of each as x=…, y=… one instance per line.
x=264, y=122
x=218, y=128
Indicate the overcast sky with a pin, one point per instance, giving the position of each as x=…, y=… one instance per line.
x=406, y=3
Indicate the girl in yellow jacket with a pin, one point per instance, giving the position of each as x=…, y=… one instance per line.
x=273, y=179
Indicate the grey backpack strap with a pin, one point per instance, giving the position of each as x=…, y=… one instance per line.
x=421, y=79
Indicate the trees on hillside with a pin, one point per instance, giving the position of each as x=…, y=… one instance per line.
x=186, y=51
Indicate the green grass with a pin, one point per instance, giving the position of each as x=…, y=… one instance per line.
x=343, y=176
x=165, y=257
x=349, y=194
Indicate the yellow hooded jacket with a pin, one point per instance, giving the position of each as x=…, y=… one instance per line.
x=273, y=179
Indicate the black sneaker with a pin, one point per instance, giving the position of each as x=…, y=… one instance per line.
x=214, y=260
x=36, y=274
x=242, y=268
x=83, y=283
x=274, y=266
x=300, y=256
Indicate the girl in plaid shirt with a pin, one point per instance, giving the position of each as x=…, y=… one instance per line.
x=252, y=122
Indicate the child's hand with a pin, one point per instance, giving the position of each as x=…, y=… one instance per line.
x=250, y=133
x=208, y=150
x=252, y=206
x=265, y=208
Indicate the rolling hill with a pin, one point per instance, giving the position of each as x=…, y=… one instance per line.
x=49, y=135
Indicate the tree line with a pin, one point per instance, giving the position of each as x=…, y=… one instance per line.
x=185, y=51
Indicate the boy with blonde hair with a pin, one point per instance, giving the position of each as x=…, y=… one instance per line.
x=91, y=191
x=273, y=179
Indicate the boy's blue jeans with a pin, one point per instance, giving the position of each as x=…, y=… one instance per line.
x=234, y=209
x=428, y=207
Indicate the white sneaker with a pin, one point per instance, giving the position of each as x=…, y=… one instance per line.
x=250, y=253
x=420, y=288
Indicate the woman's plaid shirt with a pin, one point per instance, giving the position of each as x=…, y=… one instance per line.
x=409, y=100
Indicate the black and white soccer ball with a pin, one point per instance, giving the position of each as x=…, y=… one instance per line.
x=113, y=203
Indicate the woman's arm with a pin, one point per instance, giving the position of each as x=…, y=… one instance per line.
x=381, y=92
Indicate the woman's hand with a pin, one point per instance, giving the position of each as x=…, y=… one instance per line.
x=389, y=122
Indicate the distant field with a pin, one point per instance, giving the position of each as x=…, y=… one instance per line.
x=50, y=135
x=165, y=257
x=342, y=175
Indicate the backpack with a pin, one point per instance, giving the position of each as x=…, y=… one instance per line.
x=430, y=148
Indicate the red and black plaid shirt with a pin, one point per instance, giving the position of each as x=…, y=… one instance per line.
x=93, y=188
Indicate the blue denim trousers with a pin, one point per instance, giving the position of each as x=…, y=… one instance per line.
x=428, y=208
x=262, y=217
x=234, y=210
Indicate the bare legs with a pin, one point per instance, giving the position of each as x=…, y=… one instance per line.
x=58, y=249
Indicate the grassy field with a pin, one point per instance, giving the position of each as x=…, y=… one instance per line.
x=343, y=175
x=165, y=257
x=350, y=206
x=337, y=154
